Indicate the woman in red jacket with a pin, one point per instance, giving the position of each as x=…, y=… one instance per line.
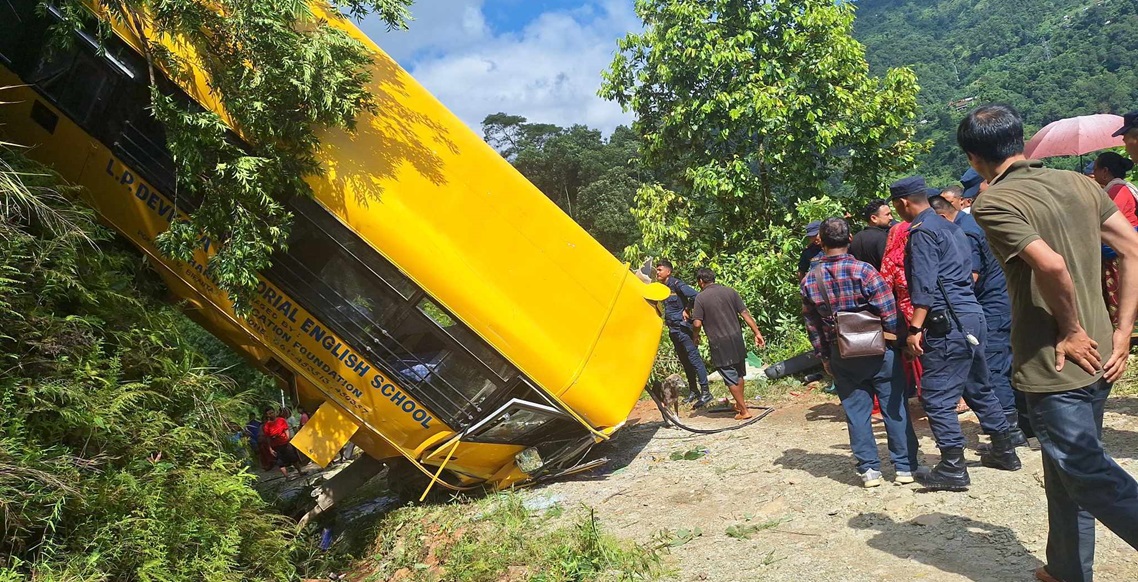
x=1110, y=172
x=893, y=271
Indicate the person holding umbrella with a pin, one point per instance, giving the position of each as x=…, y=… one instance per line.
x=1110, y=172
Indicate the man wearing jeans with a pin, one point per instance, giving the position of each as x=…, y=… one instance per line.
x=1046, y=227
x=841, y=283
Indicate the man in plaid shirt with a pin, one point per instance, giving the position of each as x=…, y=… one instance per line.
x=852, y=285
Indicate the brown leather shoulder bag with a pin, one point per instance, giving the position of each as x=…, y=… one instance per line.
x=860, y=334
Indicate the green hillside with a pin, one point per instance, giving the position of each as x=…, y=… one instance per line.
x=1049, y=58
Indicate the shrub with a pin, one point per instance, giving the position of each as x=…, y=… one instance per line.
x=113, y=439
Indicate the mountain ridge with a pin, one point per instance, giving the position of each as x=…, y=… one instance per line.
x=1048, y=58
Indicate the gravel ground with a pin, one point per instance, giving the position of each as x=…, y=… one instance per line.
x=786, y=490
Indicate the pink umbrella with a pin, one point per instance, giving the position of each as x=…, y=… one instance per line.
x=1075, y=136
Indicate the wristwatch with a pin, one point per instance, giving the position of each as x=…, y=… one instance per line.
x=915, y=330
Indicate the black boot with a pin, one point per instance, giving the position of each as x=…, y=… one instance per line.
x=950, y=474
x=693, y=396
x=1015, y=435
x=1003, y=453
x=704, y=398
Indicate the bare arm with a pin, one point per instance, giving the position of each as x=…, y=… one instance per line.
x=696, y=325
x=1058, y=291
x=759, y=341
x=913, y=340
x=1120, y=236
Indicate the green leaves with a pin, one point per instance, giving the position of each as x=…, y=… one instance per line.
x=281, y=74
x=692, y=454
x=1049, y=58
x=746, y=109
x=115, y=458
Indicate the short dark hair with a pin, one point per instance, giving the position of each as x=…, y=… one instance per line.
x=1117, y=165
x=706, y=275
x=872, y=208
x=993, y=133
x=664, y=263
x=939, y=203
x=835, y=233
x=957, y=190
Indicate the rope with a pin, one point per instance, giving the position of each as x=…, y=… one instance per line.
x=671, y=417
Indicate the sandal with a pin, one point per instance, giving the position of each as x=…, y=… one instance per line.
x=962, y=407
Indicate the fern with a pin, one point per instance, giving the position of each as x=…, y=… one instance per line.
x=114, y=462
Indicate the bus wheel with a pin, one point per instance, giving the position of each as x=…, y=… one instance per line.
x=407, y=482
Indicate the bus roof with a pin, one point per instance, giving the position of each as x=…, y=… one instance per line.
x=429, y=194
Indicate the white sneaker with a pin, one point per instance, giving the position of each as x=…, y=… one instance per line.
x=870, y=478
x=904, y=478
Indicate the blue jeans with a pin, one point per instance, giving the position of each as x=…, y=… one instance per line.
x=858, y=380
x=689, y=358
x=954, y=368
x=1083, y=483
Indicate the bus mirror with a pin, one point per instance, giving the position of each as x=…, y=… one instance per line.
x=656, y=292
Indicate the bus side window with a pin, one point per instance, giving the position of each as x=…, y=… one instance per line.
x=17, y=18
x=78, y=82
x=462, y=334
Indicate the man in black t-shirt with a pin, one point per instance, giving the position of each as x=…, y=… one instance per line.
x=869, y=245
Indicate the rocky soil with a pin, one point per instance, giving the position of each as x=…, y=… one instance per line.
x=780, y=501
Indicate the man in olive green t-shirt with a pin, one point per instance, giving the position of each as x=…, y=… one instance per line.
x=1046, y=227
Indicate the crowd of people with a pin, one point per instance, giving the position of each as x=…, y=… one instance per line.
x=1013, y=293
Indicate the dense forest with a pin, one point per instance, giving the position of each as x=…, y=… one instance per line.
x=1051, y=59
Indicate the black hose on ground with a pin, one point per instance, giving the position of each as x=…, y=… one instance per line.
x=669, y=416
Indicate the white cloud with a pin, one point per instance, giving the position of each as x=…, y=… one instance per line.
x=439, y=27
x=549, y=71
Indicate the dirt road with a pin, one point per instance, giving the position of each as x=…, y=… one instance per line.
x=780, y=501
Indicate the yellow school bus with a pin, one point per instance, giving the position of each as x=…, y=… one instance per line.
x=433, y=307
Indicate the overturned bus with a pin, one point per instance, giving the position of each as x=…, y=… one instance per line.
x=433, y=307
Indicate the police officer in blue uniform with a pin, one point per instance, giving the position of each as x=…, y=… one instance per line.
x=677, y=310
x=991, y=290
x=973, y=185
x=947, y=332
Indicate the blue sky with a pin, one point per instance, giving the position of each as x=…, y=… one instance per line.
x=538, y=59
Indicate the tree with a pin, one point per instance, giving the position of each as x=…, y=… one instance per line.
x=746, y=107
x=280, y=72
